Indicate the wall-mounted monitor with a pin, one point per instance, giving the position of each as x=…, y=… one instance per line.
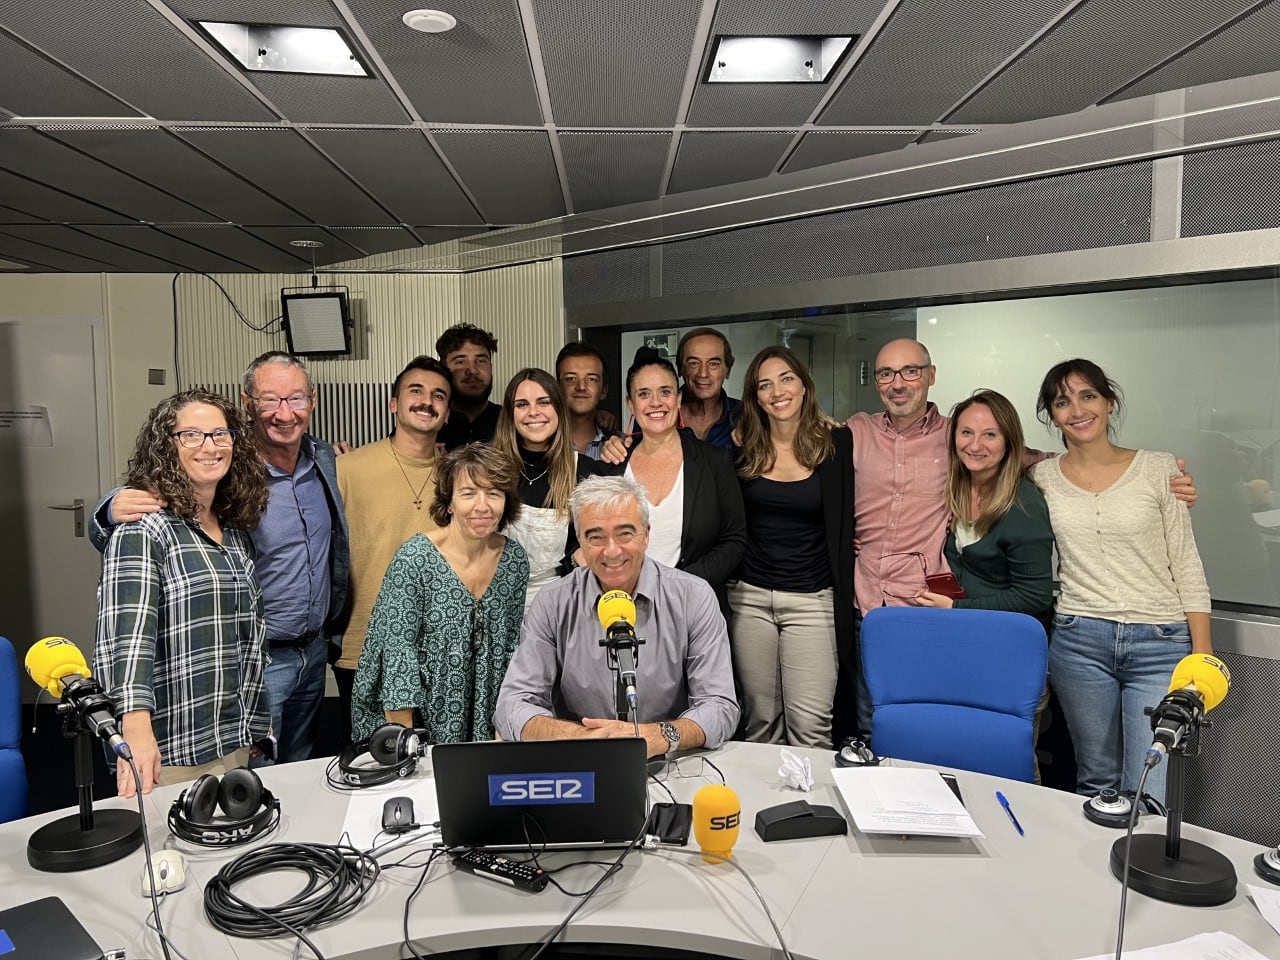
x=316, y=323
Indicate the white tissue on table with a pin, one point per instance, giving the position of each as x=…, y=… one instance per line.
x=796, y=771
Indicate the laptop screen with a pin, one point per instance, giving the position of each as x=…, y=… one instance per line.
x=557, y=793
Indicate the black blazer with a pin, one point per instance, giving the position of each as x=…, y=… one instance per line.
x=835, y=479
x=713, y=535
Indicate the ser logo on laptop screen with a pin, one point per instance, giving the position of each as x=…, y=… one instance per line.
x=523, y=789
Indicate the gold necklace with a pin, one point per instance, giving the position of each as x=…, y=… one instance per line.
x=417, y=494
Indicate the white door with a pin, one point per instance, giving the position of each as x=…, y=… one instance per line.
x=50, y=456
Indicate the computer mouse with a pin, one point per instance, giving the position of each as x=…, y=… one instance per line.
x=170, y=868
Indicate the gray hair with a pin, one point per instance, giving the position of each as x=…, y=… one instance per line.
x=609, y=492
x=275, y=356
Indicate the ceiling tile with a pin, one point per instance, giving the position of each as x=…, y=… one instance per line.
x=432, y=235
x=821, y=147
x=610, y=169
x=131, y=50
x=927, y=52
x=402, y=171
x=373, y=240
x=333, y=251
x=711, y=159
x=164, y=161
x=33, y=87
x=485, y=158
x=616, y=63
x=479, y=72
x=283, y=164
x=235, y=243
x=41, y=201
x=32, y=154
x=1102, y=46
x=48, y=258
x=160, y=244
x=9, y=215
x=73, y=241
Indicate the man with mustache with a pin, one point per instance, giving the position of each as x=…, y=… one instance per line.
x=387, y=488
x=467, y=352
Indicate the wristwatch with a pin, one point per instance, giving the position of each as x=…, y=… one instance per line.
x=672, y=733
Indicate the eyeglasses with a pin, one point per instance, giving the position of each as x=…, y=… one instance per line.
x=195, y=438
x=685, y=768
x=899, y=568
x=296, y=402
x=909, y=373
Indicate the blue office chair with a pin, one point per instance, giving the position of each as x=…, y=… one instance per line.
x=958, y=688
x=13, y=772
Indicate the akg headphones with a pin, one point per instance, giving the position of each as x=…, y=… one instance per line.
x=1111, y=808
x=394, y=750
x=248, y=808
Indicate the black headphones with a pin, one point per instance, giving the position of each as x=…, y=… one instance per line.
x=1111, y=808
x=394, y=750
x=248, y=808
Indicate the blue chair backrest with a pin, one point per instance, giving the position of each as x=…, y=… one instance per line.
x=958, y=688
x=13, y=772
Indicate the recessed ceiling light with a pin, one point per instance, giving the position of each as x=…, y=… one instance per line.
x=776, y=59
x=272, y=48
x=430, y=21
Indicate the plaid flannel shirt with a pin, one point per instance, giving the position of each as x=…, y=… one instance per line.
x=181, y=633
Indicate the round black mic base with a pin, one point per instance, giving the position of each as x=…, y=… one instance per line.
x=1200, y=877
x=61, y=846
x=1267, y=866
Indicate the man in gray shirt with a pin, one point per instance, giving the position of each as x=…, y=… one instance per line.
x=559, y=683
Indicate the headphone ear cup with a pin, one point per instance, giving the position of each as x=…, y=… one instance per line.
x=240, y=794
x=200, y=800
x=386, y=746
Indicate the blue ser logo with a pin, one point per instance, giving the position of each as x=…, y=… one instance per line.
x=523, y=789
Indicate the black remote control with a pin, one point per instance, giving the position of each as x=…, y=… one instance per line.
x=525, y=876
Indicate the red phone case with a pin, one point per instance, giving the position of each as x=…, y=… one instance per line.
x=945, y=584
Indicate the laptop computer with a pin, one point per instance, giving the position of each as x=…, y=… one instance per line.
x=42, y=929
x=557, y=793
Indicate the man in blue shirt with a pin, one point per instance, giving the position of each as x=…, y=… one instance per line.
x=301, y=551
x=705, y=359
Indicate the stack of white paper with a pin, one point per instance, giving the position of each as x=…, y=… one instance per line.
x=1202, y=946
x=903, y=800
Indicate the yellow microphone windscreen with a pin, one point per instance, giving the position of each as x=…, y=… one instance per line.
x=717, y=816
x=53, y=658
x=1208, y=673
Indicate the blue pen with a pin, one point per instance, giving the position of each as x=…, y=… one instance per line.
x=1004, y=802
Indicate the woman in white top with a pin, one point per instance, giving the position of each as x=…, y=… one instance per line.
x=1133, y=598
x=530, y=432
x=696, y=518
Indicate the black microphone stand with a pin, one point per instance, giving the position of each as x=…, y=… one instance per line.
x=1170, y=868
x=81, y=840
x=615, y=641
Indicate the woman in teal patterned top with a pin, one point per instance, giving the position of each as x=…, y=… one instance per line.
x=448, y=616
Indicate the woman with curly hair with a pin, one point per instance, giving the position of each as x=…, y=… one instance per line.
x=533, y=430
x=792, y=608
x=448, y=615
x=181, y=639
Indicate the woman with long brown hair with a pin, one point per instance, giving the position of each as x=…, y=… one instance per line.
x=181, y=640
x=533, y=430
x=792, y=608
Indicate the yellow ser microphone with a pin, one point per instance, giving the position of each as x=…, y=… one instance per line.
x=1199, y=683
x=717, y=816
x=57, y=665
x=617, y=613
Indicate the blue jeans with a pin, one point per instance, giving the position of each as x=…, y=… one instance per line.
x=1106, y=674
x=294, y=687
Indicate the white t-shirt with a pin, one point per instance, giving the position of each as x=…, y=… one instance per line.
x=666, y=523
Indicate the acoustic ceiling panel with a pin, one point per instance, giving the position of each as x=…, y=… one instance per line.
x=297, y=13
x=333, y=251
x=616, y=63
x=610, y=169
x=373, y=240
x=324, y=99
x=1231, y=189
x=41, y=201
x=484, y=160
x=235, y=243
x=72, y=241
x=32, y=154
x=10, y=215
x=131, y=50
x=31, y=86
x=43, y=258
x=167, y=247
x=479, y=72
x=927, y=52
x=283, y=164
x=819, y=147
x=1099, y=48
x=1246, y=47
x=930, y=136
x=432, y=235
x=710, y=159
x=164, y=161
x=769, y=104
x=402, y=171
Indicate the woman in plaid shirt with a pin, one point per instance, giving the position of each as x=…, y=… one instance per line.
x=181, y=641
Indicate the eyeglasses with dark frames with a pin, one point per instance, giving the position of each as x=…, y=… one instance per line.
x=221, y=437
x=909, y=373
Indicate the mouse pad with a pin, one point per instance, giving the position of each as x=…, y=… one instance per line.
x=43, y=929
